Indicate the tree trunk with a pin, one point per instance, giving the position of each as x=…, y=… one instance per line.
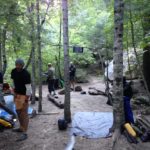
x=58, y=58
x=67, y=112
x=146, y=55
x=29, y=59
x=4, y=49
x=1, y=67
x=39, y=57
x=118, y=108
x=128, y=54
x=59, y=55
x=33, y=65
x=32, y=36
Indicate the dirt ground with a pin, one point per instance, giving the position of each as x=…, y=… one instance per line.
x=43, y=133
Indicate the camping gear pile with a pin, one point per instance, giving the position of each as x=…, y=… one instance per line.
x=139, y=130
x=7, y=118
x=8, y=114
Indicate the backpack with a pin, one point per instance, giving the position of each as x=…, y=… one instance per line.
x=72, y=69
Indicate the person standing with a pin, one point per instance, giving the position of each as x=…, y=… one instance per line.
x=72, y=71
x=51, y=79
x=22, y=91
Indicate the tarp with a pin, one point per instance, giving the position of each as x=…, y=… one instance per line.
x=92, y=124
x=5, y=114
x=9, y=102
x=132, y=61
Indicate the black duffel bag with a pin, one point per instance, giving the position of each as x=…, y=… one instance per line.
x=62, y=124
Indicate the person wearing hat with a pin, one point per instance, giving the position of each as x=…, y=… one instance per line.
x=22, y=91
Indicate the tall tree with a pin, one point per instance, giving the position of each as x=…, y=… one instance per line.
x=4, y=32
x=67, y=112
x=39, y=55
x=146, y=28
x=118, y=70
x=33, y=57
x=60, y=39
x=32, y=37
x=0, y=49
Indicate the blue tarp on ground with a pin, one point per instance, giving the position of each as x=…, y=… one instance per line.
x=92, y=124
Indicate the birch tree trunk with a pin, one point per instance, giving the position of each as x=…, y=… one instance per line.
x=39, y=57
x=33, y=54
x=1, y=68
x=59, y=55
x=58, y=58
x=33, y=64
x=146, y=55
x=29, y=59
x=127, y=42
x=118, y=108
x=67, y=112
x=4, y=31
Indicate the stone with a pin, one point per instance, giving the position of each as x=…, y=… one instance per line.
x=78, y=88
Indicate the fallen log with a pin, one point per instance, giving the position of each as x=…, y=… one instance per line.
x=94, y=91
x=144, y=121
x=141, y=125
x=50, y=113
x=54, y=101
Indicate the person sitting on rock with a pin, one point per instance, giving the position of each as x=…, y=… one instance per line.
x=127, y=93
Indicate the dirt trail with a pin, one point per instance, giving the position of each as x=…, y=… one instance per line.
x=43, y=130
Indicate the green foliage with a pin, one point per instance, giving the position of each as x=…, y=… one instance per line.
x=82, y=59
x=90, y=25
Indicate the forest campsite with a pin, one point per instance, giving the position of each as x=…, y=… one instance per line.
x=74, y=75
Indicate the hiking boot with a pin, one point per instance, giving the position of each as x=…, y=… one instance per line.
x=17, y=130
x=23, y=137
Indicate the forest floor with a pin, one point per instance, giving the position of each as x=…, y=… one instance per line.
x=43, y=133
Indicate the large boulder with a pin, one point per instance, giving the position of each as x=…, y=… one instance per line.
x=78, y=88
x=62, y=92
x=134, y=69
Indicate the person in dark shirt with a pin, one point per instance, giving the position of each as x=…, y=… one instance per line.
x=127, y=93
x=22, y=90
x=72, y=71
x=51, y=79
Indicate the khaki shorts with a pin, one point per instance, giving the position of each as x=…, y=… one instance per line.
x=20, y=101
